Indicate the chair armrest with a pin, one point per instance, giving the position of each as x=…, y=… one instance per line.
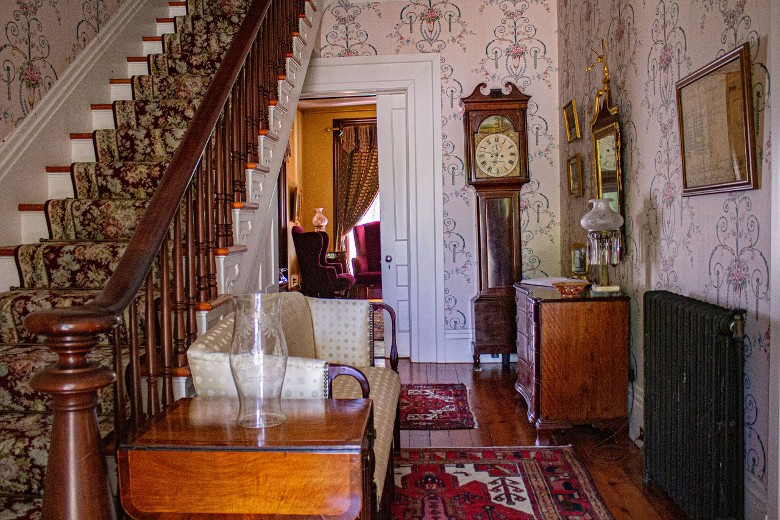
x=393, y=345
x=335, y=370
x=359, y=265
x=336, y=265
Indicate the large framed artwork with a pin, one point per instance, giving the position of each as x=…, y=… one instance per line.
x=717, y=134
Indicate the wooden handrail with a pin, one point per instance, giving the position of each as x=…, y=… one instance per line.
x=77, y=484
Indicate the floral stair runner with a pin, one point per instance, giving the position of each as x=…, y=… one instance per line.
x=88, y=235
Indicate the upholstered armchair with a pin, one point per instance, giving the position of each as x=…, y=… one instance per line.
x=323, y=336
x=367, y=264
x=318, y=278
x=323, y=257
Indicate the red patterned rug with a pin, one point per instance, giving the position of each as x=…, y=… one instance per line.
x=492, y=484
x=436, y=407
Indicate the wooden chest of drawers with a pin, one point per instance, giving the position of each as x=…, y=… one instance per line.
x=572, y=358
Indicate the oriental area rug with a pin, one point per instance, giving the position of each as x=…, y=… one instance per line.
x=435, y=407
x=494, y=483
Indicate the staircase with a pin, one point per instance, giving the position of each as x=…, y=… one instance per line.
x=144, y=307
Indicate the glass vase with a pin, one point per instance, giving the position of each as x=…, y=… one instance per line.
x=258, y=360
x=319, y=220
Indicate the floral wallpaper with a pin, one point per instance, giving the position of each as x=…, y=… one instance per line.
x=40, y=38
x=491, y=41
x=712, y=247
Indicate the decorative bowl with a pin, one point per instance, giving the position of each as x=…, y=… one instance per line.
x=570, y=289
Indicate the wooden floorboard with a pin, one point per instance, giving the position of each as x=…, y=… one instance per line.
x=613, y=461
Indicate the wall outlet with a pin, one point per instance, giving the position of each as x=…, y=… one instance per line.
x=294, y=279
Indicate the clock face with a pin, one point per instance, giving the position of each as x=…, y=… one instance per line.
x=497, y=155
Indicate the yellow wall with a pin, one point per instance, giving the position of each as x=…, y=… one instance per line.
x=317, y=160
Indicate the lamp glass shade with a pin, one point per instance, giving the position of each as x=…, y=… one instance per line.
x=601, y=217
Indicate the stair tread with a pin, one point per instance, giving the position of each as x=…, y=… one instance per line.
x=31, y=207
x=137, y=59
x=119, y=81
x=81, y=135
x=7, y=250
x=230, y=250
x=101, y=106
x=58, y=169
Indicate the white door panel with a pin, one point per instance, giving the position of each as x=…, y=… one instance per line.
x=393, y=185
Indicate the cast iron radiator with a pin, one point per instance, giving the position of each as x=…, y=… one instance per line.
x=693, y=404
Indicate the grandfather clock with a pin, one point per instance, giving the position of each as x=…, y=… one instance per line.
x=497, y=167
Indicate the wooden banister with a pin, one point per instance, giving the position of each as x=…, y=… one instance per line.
x=187, y=218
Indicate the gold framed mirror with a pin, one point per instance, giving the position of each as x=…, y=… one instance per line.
x=607, y=169
x=605, y=133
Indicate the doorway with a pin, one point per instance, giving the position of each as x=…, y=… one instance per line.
x=408, y=119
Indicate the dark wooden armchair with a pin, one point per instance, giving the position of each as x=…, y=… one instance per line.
x=317, y=278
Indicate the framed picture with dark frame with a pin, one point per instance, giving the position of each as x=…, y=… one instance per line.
x=570, y=121
x=579, y=260
x=574, y=169
x=717, y=131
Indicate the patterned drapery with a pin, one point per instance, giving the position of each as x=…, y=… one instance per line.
x=358, y=176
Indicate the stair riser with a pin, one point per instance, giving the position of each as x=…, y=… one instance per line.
x=254, y=185
x=9, y=275
x=228, y=269
x=33, y=224
x=137, y=68
x=152, y=47
x=60, y=185
x=165, y=27
x=102, y=118
x=175, y=10
x=82, y=150
x=121, y=91
x=243, y=230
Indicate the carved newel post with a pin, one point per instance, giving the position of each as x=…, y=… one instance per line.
x=77, y=485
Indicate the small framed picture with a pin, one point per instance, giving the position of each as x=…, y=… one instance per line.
x=579, y=260
x=570, y=121
x=297, y=199
x=574, y=167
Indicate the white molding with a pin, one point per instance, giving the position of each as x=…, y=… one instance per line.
x=755, y=499
x=637, y=419
x=772, y=502
x=419, y=77
x=458, y=346
x=41, y=139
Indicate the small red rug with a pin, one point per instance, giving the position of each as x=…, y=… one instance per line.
x=492, y=484
x=435, y=407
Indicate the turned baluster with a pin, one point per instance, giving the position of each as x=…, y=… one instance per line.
x=191, y=282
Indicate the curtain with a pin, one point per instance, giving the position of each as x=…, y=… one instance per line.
x=358, y=176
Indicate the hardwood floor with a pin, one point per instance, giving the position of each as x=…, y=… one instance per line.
x=614, y=463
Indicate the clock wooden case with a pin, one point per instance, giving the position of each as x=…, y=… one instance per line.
x=497, y=167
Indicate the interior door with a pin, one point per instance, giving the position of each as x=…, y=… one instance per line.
x=394, y=211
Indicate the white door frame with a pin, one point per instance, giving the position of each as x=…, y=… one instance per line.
x=418, y=77
x=773, y=176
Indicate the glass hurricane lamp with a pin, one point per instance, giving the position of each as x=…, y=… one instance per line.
x=603, y=226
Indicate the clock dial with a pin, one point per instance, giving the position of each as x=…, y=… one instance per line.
x=496, y=155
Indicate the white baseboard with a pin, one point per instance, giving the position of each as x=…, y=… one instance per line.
x=755, y=498
x=637, y=419
x=458, y=349
x=457, y=346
